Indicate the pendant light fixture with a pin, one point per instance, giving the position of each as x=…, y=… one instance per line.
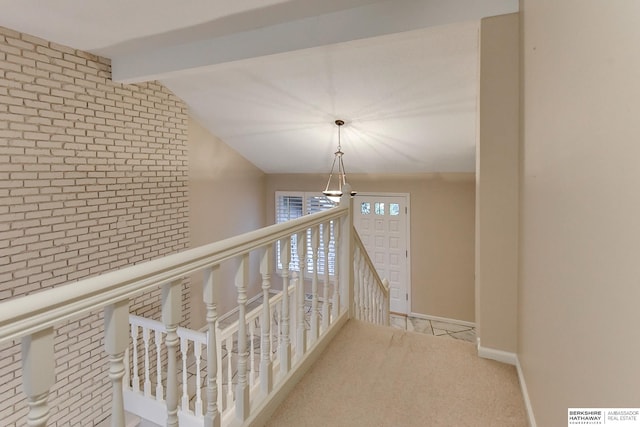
x=333, y=190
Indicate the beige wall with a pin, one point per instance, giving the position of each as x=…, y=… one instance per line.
x=580, y=274
x=442, y=233
x=93, y=178
x=226, y=198
x=497, y=179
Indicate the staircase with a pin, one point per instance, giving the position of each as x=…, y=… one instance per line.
x=221, y=376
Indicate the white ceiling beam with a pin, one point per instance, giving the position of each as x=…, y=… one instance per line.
x=370, y=20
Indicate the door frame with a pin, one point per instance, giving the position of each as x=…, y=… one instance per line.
x=407, y=198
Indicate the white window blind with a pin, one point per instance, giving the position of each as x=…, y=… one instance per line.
x=292, y=205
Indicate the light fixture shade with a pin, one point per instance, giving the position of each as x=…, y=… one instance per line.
x=333, y=189
x=334, y=196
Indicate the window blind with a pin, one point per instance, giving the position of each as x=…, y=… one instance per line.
x=292, y=205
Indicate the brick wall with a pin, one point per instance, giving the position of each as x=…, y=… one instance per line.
x=93, y=177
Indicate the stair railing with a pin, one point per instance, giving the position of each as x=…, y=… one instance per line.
x=144, y=387
x=33, y=319
x=371, y=292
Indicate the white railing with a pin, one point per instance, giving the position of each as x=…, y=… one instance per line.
x=33, y=319
x=371, y=293
x=143, y=378
x=144, y=385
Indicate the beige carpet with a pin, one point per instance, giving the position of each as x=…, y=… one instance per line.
x=379, y=376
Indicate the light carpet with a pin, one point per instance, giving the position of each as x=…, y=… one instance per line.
x=381, y=376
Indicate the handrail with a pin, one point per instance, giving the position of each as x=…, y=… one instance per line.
x=382, y=283
x=26, y=315
x=357, y=292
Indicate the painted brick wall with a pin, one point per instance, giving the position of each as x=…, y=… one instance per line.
x=93, y=177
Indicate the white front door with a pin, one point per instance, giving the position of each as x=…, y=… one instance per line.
x=382, y=223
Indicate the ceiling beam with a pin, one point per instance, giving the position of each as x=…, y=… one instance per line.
x=365, y=21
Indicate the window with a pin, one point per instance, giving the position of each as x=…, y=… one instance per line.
x=292, y=205
x=379, y=208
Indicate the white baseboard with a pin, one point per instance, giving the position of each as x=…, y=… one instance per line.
x=498, y=355
x=442, y=319
x=511, y=359
x=525, y=395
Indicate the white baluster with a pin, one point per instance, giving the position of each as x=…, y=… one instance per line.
x=197, y=352
x=325, y=290
x=336, y=270
x=315, y=231
x=374, y=302
x=116, y=340
x=356, y=287
x=301, y=335
x=361, y=290
x=275, y=337
x=184, y=348
x=293, y=308
x=38, y=375
x=386, y=313
x=372, y=287
x=252, y=353
x=380, y=307
x=171, y=314
x=242, y=389
x=136, y=377
x=147, y=374
x=229, y=345
x=293, y=311
x=365, y=290
x=212, y=417
x=159, y=388
x=221, y=395
x=376, y=296
x=381, y=303
x=367, y=294
x=266, y=367
x=285, y=341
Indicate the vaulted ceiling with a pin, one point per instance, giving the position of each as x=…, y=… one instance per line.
x=270, y=77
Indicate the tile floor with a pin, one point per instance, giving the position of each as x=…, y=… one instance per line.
x=434, y=327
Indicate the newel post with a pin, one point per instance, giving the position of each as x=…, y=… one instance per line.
x=285, y=340
x=38, y=365
x=116, y=341
x=346, y=251
x=212, y=416
x=171, y=314
x=315, y=251
x=242, y=388
x=266, y=366
x=325, y=276
x=301, y=331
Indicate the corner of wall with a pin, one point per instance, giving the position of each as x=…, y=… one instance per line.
x=525, y=395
